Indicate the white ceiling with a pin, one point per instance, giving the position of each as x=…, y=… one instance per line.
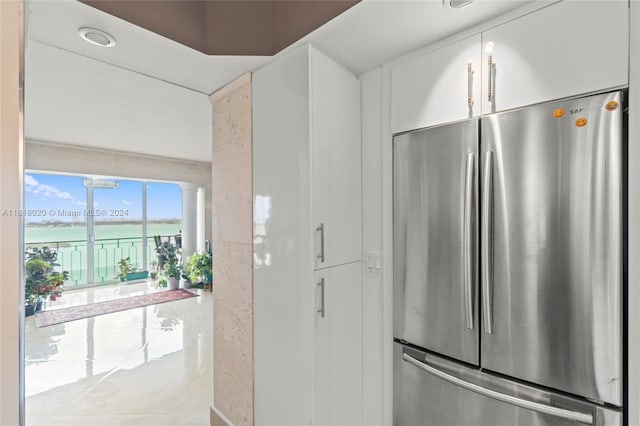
x=148, y=94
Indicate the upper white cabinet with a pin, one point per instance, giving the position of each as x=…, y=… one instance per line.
x=438, y=87
x=335, y=162
x=566, y=49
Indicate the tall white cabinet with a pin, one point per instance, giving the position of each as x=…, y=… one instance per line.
x=307, y=242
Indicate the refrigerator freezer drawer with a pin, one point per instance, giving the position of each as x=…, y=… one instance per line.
x=432, y=391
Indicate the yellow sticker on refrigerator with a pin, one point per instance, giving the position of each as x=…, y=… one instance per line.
x=581, y=122
x=611, y=106
x=559, y=113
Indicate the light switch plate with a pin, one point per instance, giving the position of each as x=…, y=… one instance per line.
x=373, y=260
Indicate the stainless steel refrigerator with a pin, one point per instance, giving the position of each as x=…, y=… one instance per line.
x=509, y=268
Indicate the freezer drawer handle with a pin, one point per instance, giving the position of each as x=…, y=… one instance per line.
x=321, y=230
x=512, y=400
x=468, y=240
x=487, y=246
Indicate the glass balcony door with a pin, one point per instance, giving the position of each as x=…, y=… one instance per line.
x=115, y=228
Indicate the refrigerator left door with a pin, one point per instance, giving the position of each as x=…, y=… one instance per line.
x=435, y=225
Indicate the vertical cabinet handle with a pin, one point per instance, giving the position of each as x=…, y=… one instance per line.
x=491, y=95
x=487, y=243
x=320, y=310
x=468, y=269
x=470, y=88
x=320, y=229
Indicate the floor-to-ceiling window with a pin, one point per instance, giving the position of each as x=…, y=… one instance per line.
x=55, y=207
x=93, y=223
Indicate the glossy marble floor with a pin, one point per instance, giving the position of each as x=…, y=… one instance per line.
x=145, y=366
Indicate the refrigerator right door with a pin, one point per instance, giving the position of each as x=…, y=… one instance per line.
x=552, y=245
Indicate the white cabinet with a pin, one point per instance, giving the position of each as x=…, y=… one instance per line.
x=563, y=50
x=338, y=346
x=335, y=162
x=438, y=87
x=306, y=171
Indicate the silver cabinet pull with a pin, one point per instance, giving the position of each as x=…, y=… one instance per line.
x=321, y=230
x=468, y=239
x=470, y=88
x=492, y=80
x=321, y=308
x=512, y=400
x=487, y=243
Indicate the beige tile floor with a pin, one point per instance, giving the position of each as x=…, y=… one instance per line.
x=144, y=366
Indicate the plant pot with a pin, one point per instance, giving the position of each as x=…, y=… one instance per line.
x=32, y=309
x=185, y=283
x=142, y=275
x=172, y=283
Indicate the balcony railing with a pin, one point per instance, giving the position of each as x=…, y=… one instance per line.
x=72, y=256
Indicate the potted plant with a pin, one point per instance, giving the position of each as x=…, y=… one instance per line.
x=153, y=269
x=185, y=282
x=42, y=281
x=128, y=271
x=166, y=253
x=172, y=272
x=199, y=267
x=55, y=282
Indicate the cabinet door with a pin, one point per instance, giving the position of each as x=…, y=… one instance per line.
x=335, y=162
x=567, y=49
x=438, y=87
x=338, y=346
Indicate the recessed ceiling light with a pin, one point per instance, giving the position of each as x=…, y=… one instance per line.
x=97, y=37
x=456, y=4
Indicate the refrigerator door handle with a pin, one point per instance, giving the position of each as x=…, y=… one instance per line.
x=468, y=239
x=487, y=246
x=508, y=399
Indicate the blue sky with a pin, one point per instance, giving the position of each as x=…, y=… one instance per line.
x=45, y=192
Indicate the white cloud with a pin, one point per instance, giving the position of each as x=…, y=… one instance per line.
x=126, y=203
x=30, y=182
x=48, y=191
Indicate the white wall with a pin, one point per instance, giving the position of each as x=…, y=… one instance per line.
x=73, y=99
x=11, y=151
x=372, y=321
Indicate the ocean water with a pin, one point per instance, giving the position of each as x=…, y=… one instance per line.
x=113, y=242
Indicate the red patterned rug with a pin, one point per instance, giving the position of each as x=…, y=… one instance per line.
x=74, y=313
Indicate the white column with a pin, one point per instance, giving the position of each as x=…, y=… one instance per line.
x=189, y=219
x=201, y=219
